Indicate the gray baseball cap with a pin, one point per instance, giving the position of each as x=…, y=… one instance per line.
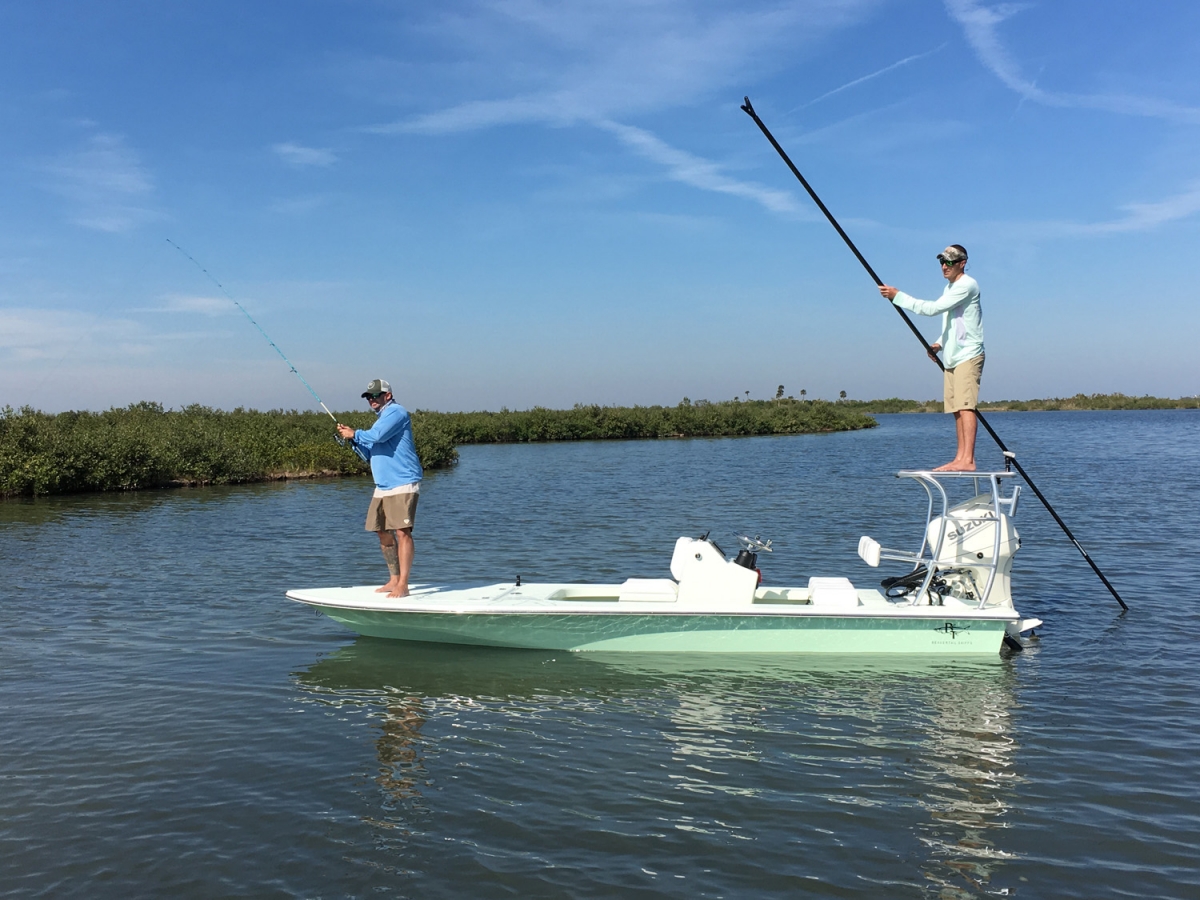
x=378, y=386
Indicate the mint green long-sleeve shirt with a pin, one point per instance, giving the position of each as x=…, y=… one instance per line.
x=962, y=319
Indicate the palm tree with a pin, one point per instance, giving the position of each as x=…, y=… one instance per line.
x=779, y=393
x=803, y=393
x=842, y=395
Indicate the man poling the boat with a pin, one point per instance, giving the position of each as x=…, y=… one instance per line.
x=388, y=446
x=961, y=344
x=1010, y=458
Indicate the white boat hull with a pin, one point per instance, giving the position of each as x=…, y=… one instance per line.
x=523, y=618
x=953, y=601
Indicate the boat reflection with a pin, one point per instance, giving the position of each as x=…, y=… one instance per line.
x=919, y=754
x=971, y=755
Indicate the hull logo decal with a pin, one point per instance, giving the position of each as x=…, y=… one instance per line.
x=953, y=630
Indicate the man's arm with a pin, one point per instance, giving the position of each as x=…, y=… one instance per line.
x=390, y=421
x=955, y=294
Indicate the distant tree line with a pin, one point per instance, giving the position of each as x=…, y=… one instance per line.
x=687, y=419
x=146, y=446
x=1077, y=402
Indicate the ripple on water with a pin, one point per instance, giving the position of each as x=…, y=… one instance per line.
x=172, y=725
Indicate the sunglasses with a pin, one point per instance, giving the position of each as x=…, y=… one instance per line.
x=373, y=397
x=949, y=262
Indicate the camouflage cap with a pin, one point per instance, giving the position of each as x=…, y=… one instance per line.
x=952, y=254
x=378, y=386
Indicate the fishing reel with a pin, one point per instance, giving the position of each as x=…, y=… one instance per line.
x=342, y=442
x=747, y=557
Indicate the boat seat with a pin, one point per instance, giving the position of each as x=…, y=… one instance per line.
x=649, y=590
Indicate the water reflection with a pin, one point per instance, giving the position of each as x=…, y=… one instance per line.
x=398, y=747
x=971, y=749
x=889, y=740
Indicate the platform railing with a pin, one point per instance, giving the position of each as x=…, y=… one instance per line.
x=931, y=481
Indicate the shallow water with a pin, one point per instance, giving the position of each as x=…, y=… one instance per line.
x=172, y=724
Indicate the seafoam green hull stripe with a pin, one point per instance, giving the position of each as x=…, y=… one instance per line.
x=684, y=634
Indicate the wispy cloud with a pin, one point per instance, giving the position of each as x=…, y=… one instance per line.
x=695, y=171
x=582, y=63
x=300, y=205
x=44, y=334
x=205, y=306
x=298, y=156
x=876, y=74
x=980, y=24
x=860, y=134
x=106, y=184
x=1138, y=216
x=1147, y=216
x=572, y=64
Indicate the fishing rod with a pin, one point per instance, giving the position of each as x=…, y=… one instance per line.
x=275, y=346
x=1010, y=458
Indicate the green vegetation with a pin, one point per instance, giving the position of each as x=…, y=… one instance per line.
x=1094, y=401
x=145, y=446
x=688, y=419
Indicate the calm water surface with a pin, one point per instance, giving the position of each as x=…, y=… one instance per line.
x=171, y=724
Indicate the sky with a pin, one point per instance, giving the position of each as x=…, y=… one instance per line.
x=522, y=202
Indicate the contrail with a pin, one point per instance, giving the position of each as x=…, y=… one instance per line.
x=882, y=71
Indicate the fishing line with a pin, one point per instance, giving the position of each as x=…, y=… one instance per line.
x=274, y=346
x=1010, y=458
x=255, y=324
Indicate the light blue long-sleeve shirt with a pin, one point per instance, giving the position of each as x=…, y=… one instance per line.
x=962, y=319
x=389, y=447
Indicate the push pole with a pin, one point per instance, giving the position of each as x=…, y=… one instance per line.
x=1010, y=458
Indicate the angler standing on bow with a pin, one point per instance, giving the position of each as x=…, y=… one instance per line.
x=389, y=447
x=961, y=345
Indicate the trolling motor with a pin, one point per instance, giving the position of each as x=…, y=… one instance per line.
x=747, y=557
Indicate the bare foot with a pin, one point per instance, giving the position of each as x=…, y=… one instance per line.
x=385, y=589
x=398, y=592
x=956, y=466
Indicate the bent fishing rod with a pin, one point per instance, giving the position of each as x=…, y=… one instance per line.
x=1010, y=458
x=274, y=346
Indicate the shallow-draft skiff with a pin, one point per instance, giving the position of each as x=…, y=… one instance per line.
x=953, y=600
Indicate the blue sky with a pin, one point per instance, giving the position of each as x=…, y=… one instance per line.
x=520, y=202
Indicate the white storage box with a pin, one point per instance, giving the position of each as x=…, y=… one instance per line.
x=832, y=593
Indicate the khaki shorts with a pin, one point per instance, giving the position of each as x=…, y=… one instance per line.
x=962, y=385
x=395, y=513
